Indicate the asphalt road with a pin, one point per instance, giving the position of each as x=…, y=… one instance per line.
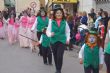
x=14, y=59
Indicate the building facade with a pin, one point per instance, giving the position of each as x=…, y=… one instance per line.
x=24, y=4
x=2, y=5
x=69, y=5
x=104, y=4
x=86, y=5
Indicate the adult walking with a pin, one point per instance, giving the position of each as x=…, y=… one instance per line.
x=24, y=42
x=59, y=32
x=40, y=23
x=107, y=49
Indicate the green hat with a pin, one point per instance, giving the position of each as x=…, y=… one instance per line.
x=57, y=7
x=92, y=32
x=42, y=9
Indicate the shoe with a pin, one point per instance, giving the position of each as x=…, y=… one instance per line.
x=58, y=72
x=50, y=64
x=46, y=63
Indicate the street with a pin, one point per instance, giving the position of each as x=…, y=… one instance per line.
x=14, y=59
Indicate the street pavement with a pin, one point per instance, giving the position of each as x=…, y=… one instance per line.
x=14, y=59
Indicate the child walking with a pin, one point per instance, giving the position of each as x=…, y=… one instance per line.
x=2, y=31
x=16, y=28
x=101, y=30
x=46, y=51
x=91, y=54
x=11, y=22
x=31, y=34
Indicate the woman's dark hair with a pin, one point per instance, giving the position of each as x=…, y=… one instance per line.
x=101, y=20
x=54, y=13
x=99, y=13
x=13, y=16
x=39, y=13
x=2, y=20
x=90, y=15
x=105, y=13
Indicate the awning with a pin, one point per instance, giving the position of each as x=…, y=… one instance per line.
x=65, y=1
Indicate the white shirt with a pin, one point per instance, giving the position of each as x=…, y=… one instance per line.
x=34, y=25
x=101, y=54
x=49, y=28
x=41, y=39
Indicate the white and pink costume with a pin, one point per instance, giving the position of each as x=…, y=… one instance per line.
x=16, y=28
x=24, y=42
x=11, y=30
x=2, y=31
x=31, y=35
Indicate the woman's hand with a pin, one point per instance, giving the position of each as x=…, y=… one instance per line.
x=67, y=42
x=52, y=34
x=81, y=61
x=37, y=43
x=100, y=66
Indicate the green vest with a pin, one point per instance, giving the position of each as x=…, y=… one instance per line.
x=45, y=41
x=59, y=32
x=91, y=56
x=42, y=23
x=107, y=49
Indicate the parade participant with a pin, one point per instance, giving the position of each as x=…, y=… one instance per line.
x=2, y=31
x=71, y=25
x=101, y=30
x=46, y=51
x=90, y=21
x=107, y=48
x=91, y=54
x=16, y=28
x=11, y=22
x=31, y=35
x=93, y=14
x=96, y=23
x=105, y=19
x=59, y=32
x=84, y=18
x=40, y=23
x=24, y=42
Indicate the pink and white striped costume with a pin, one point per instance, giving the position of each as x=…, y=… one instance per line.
x=16, y=33
x=10, y=30
x=31, y=35
x=24, y=42
x=2, y=31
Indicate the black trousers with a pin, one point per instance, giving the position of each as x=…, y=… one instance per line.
x=91, y=69
x=47, y=55
x=107, y=62
x=40, y=47
x=58, y=52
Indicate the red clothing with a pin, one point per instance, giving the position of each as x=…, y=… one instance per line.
x=16, y=25
x=1, y=24
x=43, y=17
x=102, y=30
x=31, y=21
x=11, y=21
x=24, y=21
x=58, y=22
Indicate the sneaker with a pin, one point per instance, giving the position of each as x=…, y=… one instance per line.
x=46, y=63
x=58, y=71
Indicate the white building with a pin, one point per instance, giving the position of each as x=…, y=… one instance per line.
x=86, y=5
x=24, y=4
x=104, y=4
x=2, y=5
